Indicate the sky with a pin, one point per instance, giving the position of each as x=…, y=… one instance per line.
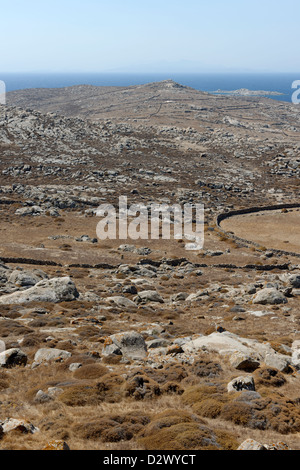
x=70, y=36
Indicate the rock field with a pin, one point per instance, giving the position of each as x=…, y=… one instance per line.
x=141, y=344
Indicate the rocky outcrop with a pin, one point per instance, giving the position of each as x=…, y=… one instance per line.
x=251, y=444
x=241, y=351
x=52, y=290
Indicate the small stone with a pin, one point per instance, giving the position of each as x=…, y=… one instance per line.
x=241, y=383
x=251, y=444
x=42, y=397
x=278, y=446
x=54, y=391
x=74, y=366
x=174, y=349
x=56, y=445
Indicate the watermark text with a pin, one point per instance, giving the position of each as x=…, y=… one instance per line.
x=154, y=222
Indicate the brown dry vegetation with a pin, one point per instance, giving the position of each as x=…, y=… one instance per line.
x=167, y=400
x=172, y=408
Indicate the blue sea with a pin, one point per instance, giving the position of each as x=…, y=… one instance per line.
x=206, y=82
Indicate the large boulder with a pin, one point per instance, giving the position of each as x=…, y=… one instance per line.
x=292, y=279
x=51, y=354
x=25, y=278
x=121, y=302
x=148, y=296
x=58, y=289
x=241, y=383
x=130, y=344
x=269, y=296
x=30, y=210
x=197, y=296
x=12, y=357
x=21, y=425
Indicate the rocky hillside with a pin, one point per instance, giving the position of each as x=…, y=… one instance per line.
x=141, y=344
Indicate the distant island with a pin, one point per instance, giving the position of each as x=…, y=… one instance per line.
x=246, y=92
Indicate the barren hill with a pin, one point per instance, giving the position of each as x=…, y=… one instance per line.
x=136, y=344
x=162, y=103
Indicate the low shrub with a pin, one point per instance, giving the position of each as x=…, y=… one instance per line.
x=80, y=395
x=196, y=394
x=111, y=388
x=141, y=387
x=206, y=368
x=238, y=413
x=209, y=408
x=180, y=430
x=269, y=377
x=90, y=371
x=169, y=373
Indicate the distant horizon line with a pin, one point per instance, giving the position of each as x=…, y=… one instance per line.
x=146, y=73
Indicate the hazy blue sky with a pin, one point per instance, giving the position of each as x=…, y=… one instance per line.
x=157, y=35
